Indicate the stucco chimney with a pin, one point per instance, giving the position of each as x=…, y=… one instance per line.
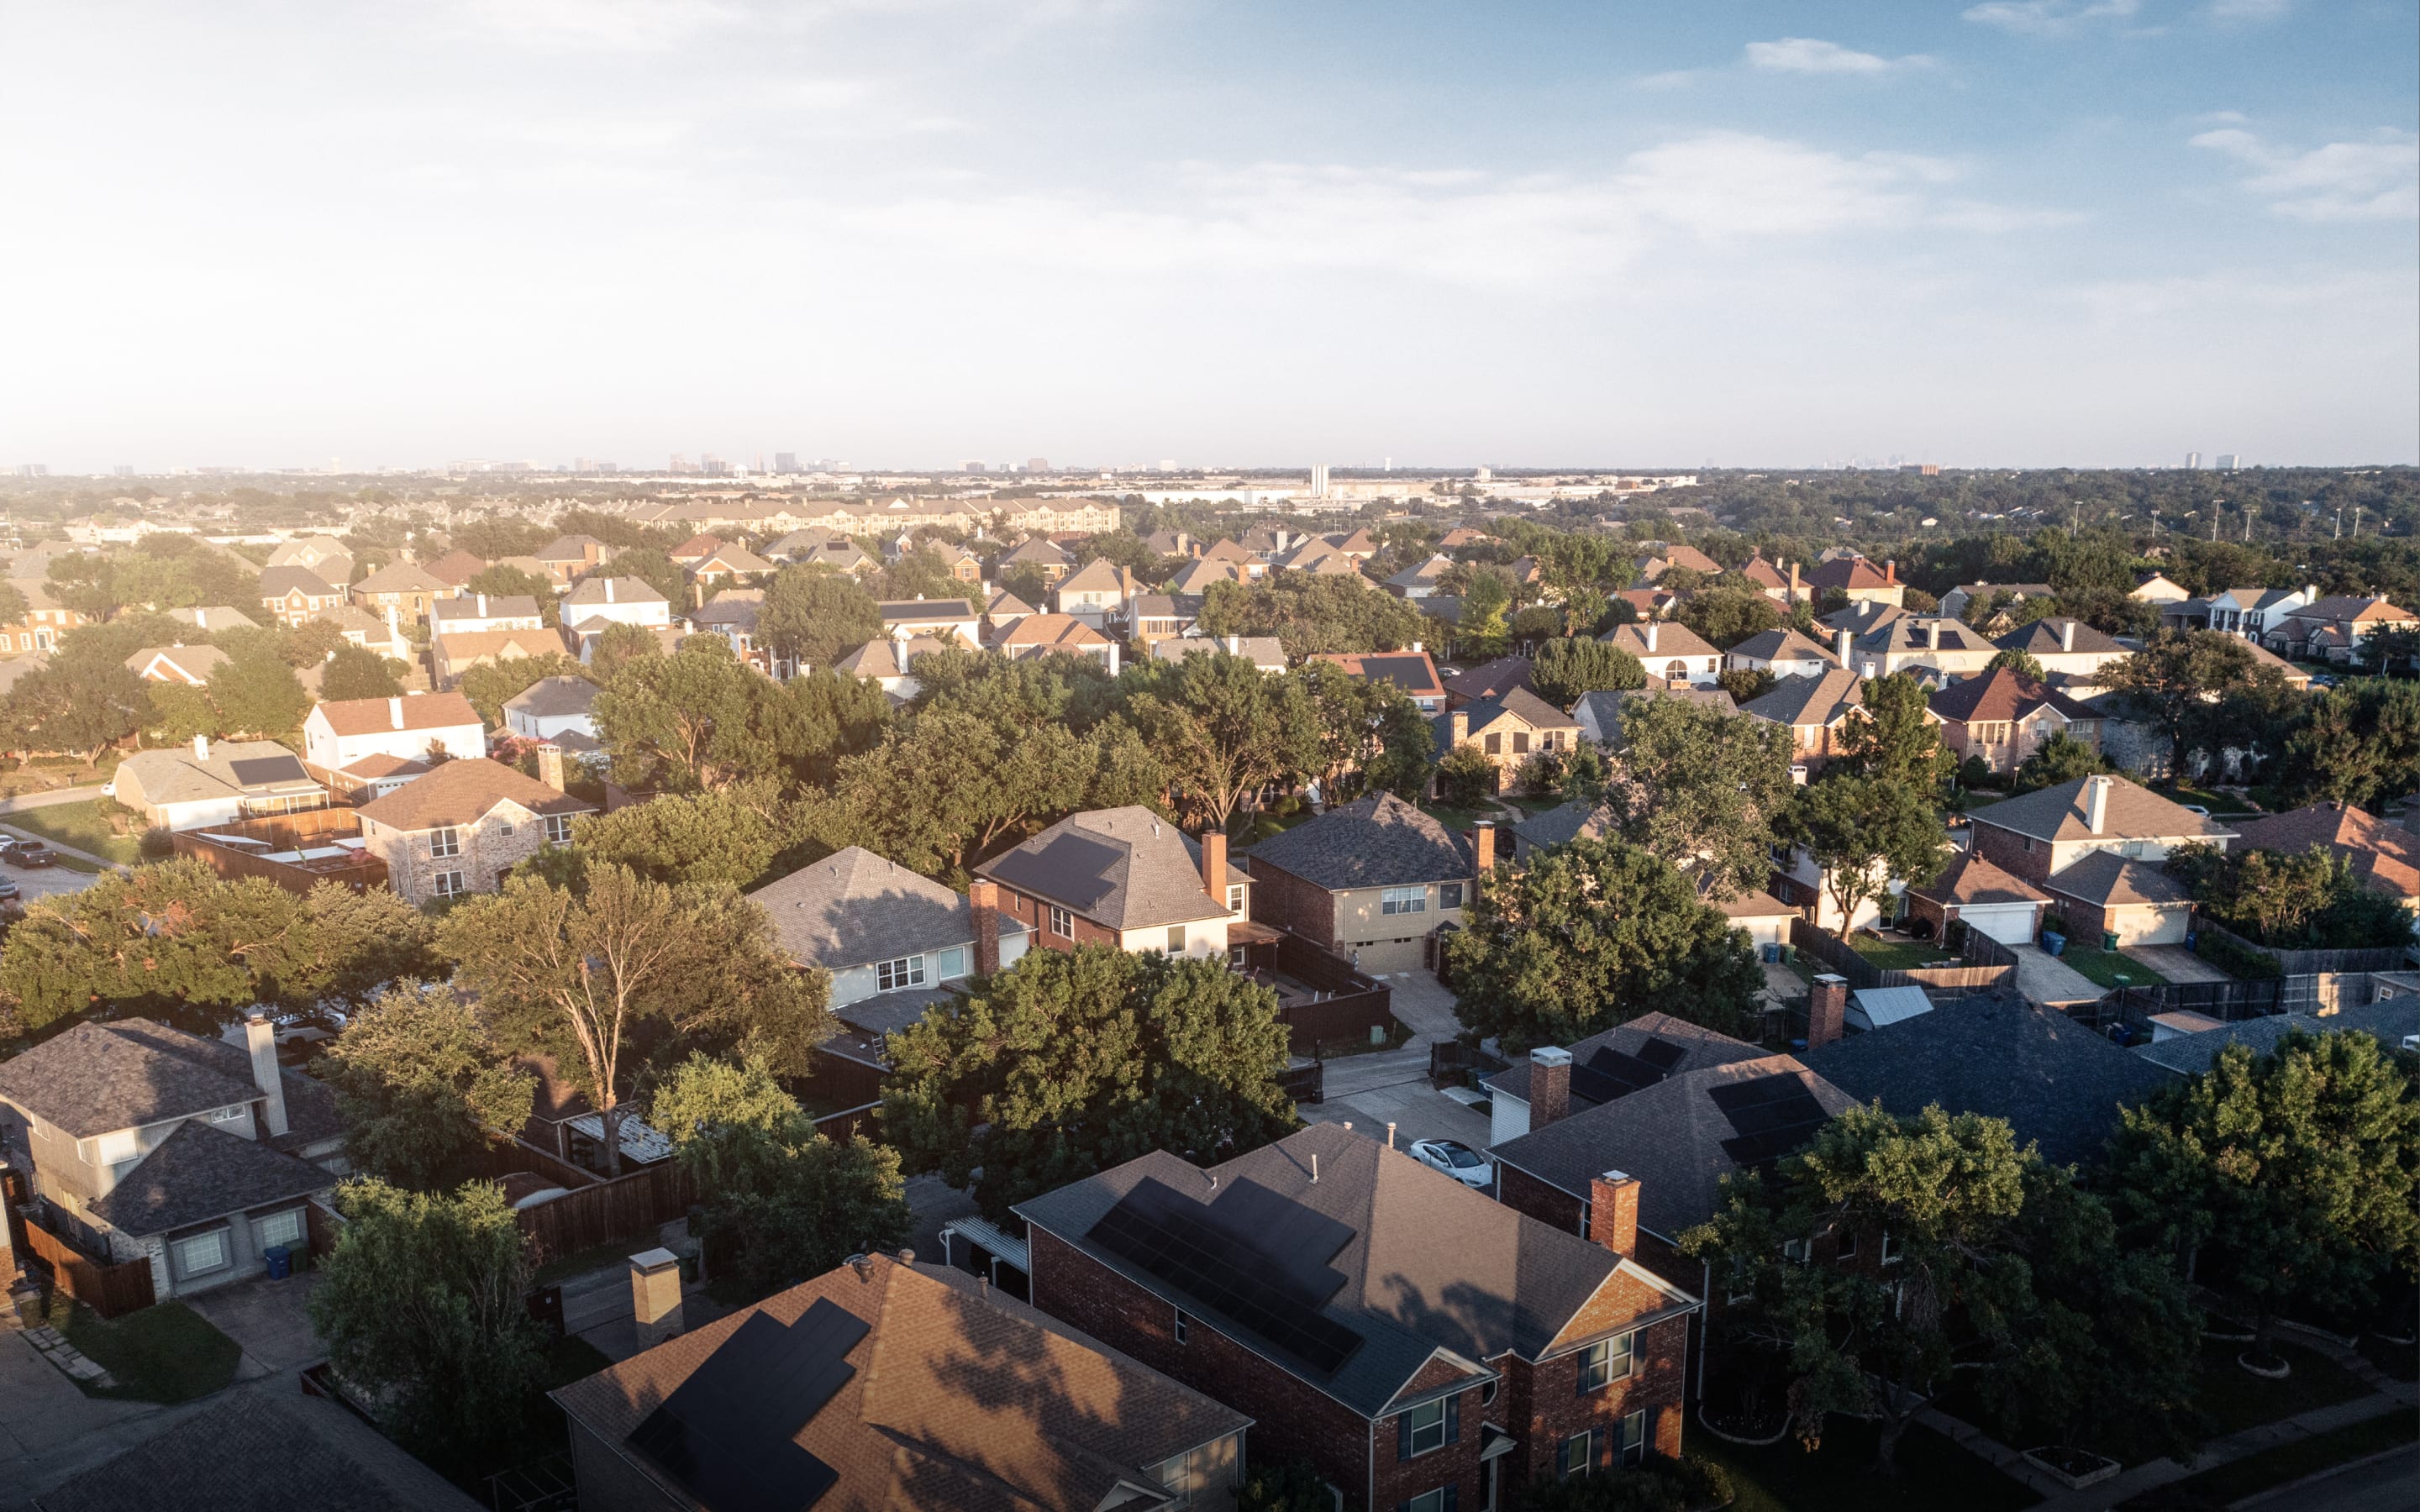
x=201, y=619
x=1841, y=642
x=1483, y=846
x=393, y=624
x=1932, y=635
x=549, y=764
x=1234, y=644
x=1650, y=635
x=609, y=590
x=394, y=712
x=1550, y=1086
x=2067, y=636
x=1214, y=864
x=201, y=748
x=2096, y=803
x=483, y=606
x=1613, y=1212
x=260, y=1038
x=983, y=901
x=1827, y=1008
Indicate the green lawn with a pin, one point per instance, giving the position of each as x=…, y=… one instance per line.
x=163, y=1354
x=2225, y=1484
x=2238, y=1399
x=1457, y=820
x=1533, y=806
x=2106, y=967
x=79, y=825
x=1838, y=1476
x=1900, y=955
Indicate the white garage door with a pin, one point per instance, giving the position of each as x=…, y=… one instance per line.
x=2152, y=925
x=2009, y=923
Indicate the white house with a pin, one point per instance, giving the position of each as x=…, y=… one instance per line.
x=213, y=781
x=337, y=735
x=560, y=709
x=1672, y=652
x=483, y=611
x=615, y=601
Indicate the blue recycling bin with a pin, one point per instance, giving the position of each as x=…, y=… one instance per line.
x=281, y=1262
x=2054, y=942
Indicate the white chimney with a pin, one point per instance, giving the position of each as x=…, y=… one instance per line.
x=2067, y=636
x=1416, y=648
x=483, y=606
x=1841, y=643
x=2096, y=802
x=393, y=624
x=201, y=619
x=260, y=1038
x=1234, y=645
x=201, y=748
x=394, y=712
x=1932, y=635
x=609, y=590
x=1650, y=635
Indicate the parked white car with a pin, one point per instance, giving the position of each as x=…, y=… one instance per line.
x=1457, y=1160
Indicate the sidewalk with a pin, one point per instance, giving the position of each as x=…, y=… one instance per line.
x=51, y=799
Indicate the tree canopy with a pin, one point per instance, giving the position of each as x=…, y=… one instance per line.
x=1563, y=670
x=423, y=1087
x=817, y=614
x=1701, y=788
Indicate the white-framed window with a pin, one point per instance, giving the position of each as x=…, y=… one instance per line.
x=1632, y=1448
x=1449, y=895
x=446, y=841
x=907, y=971
x=952, y=964
x=1847, y=1249
x=279, y=1229
x=1794, y=1251
x=1890, y=1249
x=199, y=1253
x=504, y=831
x=1576, y=1455
x=1176, y=939
x=558, y=828
x=1062, y=923
x=1403, y=900
x=233, y=1115
x=1428, y=1500
x=450, y=884
x=1235, y=896
x=1607, y=1361
x=1184, y=1328
x=1423, y=1428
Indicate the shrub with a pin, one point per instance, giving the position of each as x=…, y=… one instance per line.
x=1465, y=776
x=2237, y=959
x=157, y=844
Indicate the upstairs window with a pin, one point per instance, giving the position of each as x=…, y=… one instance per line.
x=1235, y=896
x=558, y=828
x=1607, y=1361
x=907, y=971
x=1450, y=894
x=444, y=843
x=1062, y=923
x=1403, y=900
x=1176, y=939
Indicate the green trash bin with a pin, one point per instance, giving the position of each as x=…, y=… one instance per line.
x=2109, y=939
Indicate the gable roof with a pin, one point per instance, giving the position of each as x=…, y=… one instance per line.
x=1699, y=1047
x=2133, y=813
x=2056, y=1082
x=1491, y=678
x=485, y=607
x=1971, y=878
x=1575, y=820
x=277, y=582
x=2385, y=856
x=200, y=1172
x=915, y=610
x=740, y=607
x=854, y=908
x=1849, y=572
x=174, y=775
x=2114, y=881
x=1672, y=639
x=2353, y=608
x=2003, y=694
x=215, y=617
x=1783, y=644
x=1605, y=705
x=953, y=1398
x=1097, y=575
x=732, y=559
x=610, y=590
x=462, y=791
x=1409, y=1261
x=100, y=1077
x=1037, y=549
x=1377, y=842
x=1521, y=704
x=400, y=578
x=1123, y=868
x=2043, y=639
x=196, y=662
x=1824, y=700
x=1050, y=631
x=412, y=711
x=2386, y=1020
x=570, y=549
x=456, y=567
x=459, y=649
x=1410, y=670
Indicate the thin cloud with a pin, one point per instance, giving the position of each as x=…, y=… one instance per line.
x=2248, y=11
x=2050, y=18
x=1809, y=55
x=2378, y=179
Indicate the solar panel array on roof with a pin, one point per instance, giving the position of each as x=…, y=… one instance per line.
x=728, y=1434
x=1612, y=1074
x=1255, y=1257
x=1771, y=1115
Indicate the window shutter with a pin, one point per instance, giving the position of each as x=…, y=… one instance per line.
x=1597, y=1455
x=1453, y=1421
x=1453, y=1499
x=1403, y=1436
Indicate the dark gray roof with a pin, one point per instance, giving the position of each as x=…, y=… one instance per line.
x=98, y=1078
x=1701, y=1047
x=2389, y=1020
x=853, y=908
x=1377, y=842
x=2133, y=813
x=1430, y=1263
x=1783, y=644
x=1669, y=1135
x=1529, y=707
x=1820, y=700
x=276, y=582
x=1570, y=822
x=554, y=697
x=1124, y=868
x=1605, y=705
x=268, y=1448
x=2108, y=878
x=487, y=606
x=2056, y=1082
x=199, y=1173
x=919, y=609
x=889, y=1013
x=2042, y=637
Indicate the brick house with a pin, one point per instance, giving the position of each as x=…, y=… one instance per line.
x=2107, y=897
x=1374, y=881
x=1507, y=730
x=1817, y=711
x=2037, y=835
x=1039, y=635
x=294, y=594
x=1124, y=878
x=885, y=1383
x=568, y=557
x=2008, y=908
x=1423, y=1347
x=407, y=588
x=1857, y=580
x=1039, y=554
x=323, y=555
x=463, y=826
x=1488, y=680
x=1096, y=593
x=2332, y=629
x=46, y=619
x=2004, y=717
x=2386, y=857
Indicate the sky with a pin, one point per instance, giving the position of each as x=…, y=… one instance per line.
x=912, y=233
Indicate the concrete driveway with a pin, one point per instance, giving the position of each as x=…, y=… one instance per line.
x=1426, y=1005
x=2174, y=963
x=45, y=881
x=2045, y=978
x=269, y=1319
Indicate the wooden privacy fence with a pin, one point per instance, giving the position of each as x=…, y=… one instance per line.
x=2315, y=963
x=2314, y=992
x=1972, y=974
x=588, y=1216
x=1352, y=1004
x=111, y=1290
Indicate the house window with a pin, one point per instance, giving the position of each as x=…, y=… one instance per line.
x=1439, y=1500
x=1607, y=1360
x=1448, y=895
x=952, y=964
x=444, y=843
x=1403, y=900
x=199, y=1253
x=1495, y=745
x=558, y=828
x=1576, y=1455
x=1235, y=896
x=1176, y=939
x=449, y=885
x=1184, y=1329
x=1061, y=923
x=1632, y=1448
x=280, y=1228
x=1423, y=1428
x=1520, y=742
x=233, y=1115
x=907, y=971
x=1847, y=1249
x=1794, y=1251
x=1890, y=1249
x=504, y=831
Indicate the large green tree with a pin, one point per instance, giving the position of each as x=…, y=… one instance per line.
x=2285, y=1180
x=1069, y=1063
x=724, y=838
x=1223, y=728
x=2175, y=676
x=2308, y=901
x=814, y=615
x=1310, y=613
x=1701, y=788
x=1862, y=833
x=358, y=672
x=2360, y=744
x=1590, y=934
x=1366, y=733
x=1725, y=615
x=424, y=1087
x=1565, y=669
x=697, y=718
x=2062, y=758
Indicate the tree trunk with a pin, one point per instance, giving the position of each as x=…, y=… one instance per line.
x=1894, y=1425
x=2264, y=1337
x=610, y=1116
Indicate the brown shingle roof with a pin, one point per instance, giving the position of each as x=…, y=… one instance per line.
x=2384, y=854
x=2060, y=813
x=1972, y=879
x=2111, y=880
x=462, y=791
x=422, y=711
x=2002, y=693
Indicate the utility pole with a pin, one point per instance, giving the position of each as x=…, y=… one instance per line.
x=2339, y=534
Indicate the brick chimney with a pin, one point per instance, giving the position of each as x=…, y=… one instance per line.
x=1483, y=847
x=1827, y=1008
x=1613, y=1213
x=1214, y=864
x=260, y=1039
x=1457, y=727
x=983, y=901
x=1550, y=1086
x=1891, y=572
x=549, y=764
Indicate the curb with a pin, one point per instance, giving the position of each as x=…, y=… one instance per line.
x=2314, y=1477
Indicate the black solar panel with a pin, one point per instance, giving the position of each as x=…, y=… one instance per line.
x=1253, y=1257
x=728, y=1433
x=1610, y=1073
x=1771, y=1116
x=1663, y=1053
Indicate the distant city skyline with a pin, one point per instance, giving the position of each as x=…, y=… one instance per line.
x=2018, y=233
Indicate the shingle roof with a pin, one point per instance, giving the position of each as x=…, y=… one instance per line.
x=1491, y=679
x=1426, y=1263
x=1972, y=879
x=2386, y=855
x=97, y=1078
x=1523, y=705
x=1672, y=639
x=1847, y=573
x=173, y=775
x=1037, y=549
x=1701, y=1047
x=2112, y=880
x=567, y=548
x=1572, y=821
x=958, y=1399
x=462, y=791
x=2056, y=1082
x=400, y=578
x=456, y=567
x=1050, y=631
x=2043, y=639
x=2002, y=694
x=1805, y=700
x=2060, y=813
x=276, y=582
x=853, y=907
x=1124, y=868
x=917, y=609
x=463, y=649
x=199, y=1173
x=2387, y=1020
x=485, y=606
x=1410, y=670
x=215, y=617
x=422, y=711
x=1782, y=645
x=593, y=591
x=740, y=607
x=554, y=697
x=198, y=662
x=1377, y=842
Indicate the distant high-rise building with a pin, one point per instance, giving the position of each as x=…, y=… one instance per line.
x=2192, y=461
x=786, y=461
x=680, y=463
x=2229, y=461
x=975, y=466
x=1485, y=475
x=1319, y=480
x=32, y=470
x=712, y=465
x=1167, y=464
x=1037, y=464
x=125, y=472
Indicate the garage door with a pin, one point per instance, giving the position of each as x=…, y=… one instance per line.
x=2009, y=923
x=2162, y=925
x=1382, y=957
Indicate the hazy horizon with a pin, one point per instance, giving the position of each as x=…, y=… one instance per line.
x=907, y=233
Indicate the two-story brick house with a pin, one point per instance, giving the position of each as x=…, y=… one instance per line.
x=2004, y=717
x=464, y=824
x=1124, y=878
x=1507, y=730
x=1373, y=881
x=2095, y=845
x=1421, y=1346
x=403, y=587
x=1818, y=713
x=295, y=594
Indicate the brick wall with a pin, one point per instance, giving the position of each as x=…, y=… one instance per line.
x=1551, y=1205
x=2006, y=850
x=1283, y=901
x=1036, y=913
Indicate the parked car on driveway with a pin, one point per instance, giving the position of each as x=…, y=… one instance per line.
x=1457, y=1160
x=28, y=853
x=8, y=891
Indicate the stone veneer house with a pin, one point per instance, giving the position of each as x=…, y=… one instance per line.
x=2004, y=717
x=1121, y=877
x=1373, y=881
x=461, y=826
